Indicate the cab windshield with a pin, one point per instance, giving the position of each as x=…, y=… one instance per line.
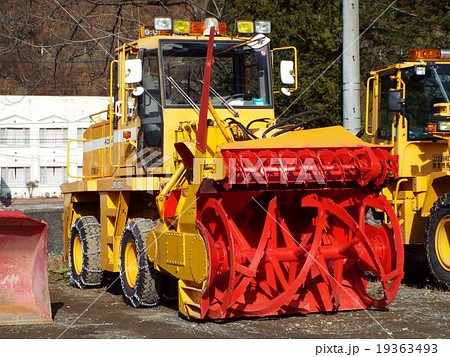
x=240, y=75
x=425, y=86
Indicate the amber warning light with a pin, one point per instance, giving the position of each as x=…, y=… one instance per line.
x=428, y=53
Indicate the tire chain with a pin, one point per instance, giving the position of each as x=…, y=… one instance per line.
x=442, y=202
x=91, y=274
x=146, y=292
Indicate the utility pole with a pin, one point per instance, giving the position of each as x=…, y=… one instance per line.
x=350, y=66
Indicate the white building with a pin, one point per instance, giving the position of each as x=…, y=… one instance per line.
x=34, y=131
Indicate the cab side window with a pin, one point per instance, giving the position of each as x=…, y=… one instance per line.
x=150, y=101
x=385, y=117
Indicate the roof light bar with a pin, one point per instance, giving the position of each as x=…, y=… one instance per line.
x=165, y=26
x=222, y=28
x=244, y=27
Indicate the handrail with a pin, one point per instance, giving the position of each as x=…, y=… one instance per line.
x=367, y=106
x=397, y=188
x=295, y=67
x=99, y=113
x=68, y=158
x=111, y=113
x=401, y=85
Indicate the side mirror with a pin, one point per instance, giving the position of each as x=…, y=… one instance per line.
x=133, y=70
x=286, y=91
x=396, y=101
x=286, y=80
x=138, y=91
x=287, y=72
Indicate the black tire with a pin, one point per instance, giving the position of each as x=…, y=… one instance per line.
x=437, y=234
x=141, y=284
x=84, y=253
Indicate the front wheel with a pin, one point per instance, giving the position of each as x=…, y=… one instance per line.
x=141, y=283
x=84, y=255
x=438, y=239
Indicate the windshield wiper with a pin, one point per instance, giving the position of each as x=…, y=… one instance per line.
x=224, y=102
x=439, y=82
x=184, y=94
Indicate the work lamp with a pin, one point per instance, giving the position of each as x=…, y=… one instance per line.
x=163, y=24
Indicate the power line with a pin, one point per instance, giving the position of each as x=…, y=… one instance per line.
x=50, y=62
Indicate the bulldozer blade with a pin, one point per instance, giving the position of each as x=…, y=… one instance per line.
x=24, y=295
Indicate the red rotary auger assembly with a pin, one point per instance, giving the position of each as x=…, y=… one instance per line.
x=296, y=227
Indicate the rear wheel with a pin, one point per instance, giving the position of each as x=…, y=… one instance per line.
x=438, y=239
x=84, y=258
x=141, y=283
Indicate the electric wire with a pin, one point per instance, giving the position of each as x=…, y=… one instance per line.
x=332, y=63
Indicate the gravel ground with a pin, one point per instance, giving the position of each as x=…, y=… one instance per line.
x=96, y=313
x=48, y=210
x=420, y=310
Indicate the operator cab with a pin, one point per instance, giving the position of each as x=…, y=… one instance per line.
x=240, y=79
x=426, y=88
x=156, y=86
x=169, y=73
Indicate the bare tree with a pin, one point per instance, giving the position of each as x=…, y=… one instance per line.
x=63, y=47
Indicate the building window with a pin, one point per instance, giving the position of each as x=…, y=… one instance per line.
x=15, y=176
x=52, y=136
x=51, y=175
x=15, y=136
x=80, y=132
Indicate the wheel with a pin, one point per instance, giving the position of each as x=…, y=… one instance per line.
x=437, y=243
x=84, y=256
x=141, y=283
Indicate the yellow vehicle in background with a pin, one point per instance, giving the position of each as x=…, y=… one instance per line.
x=410, y=111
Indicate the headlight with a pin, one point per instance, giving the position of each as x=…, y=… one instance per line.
x=163, y=24
x=146, y=31
x=420, y=70
x=444, y=126
x=245, y=27
x=263, y=27
x=181, y=26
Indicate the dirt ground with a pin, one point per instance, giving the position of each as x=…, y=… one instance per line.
x=420, y=310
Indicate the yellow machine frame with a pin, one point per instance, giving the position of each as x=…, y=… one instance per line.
x=424, y=165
